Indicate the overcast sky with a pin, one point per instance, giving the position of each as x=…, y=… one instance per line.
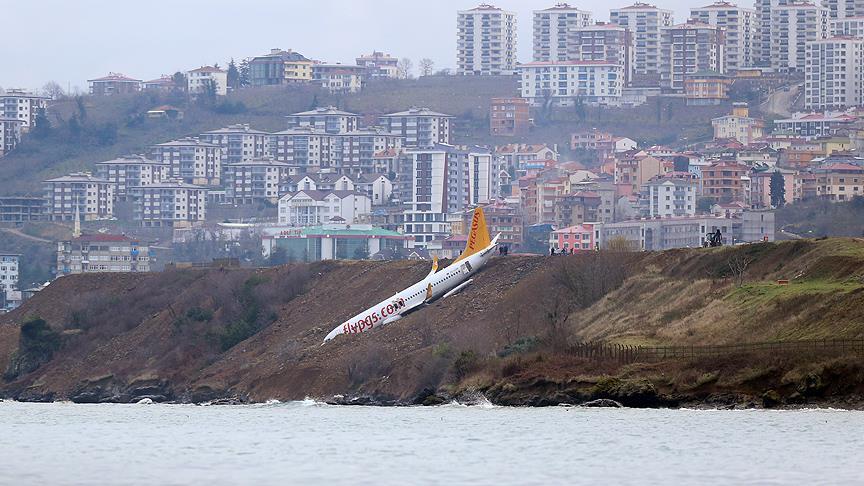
x=72, y=41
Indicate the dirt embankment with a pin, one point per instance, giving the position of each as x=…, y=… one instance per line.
x=196, y=335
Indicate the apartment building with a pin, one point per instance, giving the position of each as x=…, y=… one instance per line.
x=509, y=117
x=191, y=160
x=576, y=238
x=309, y=207
x=839, y=181
x=420, y=127
x=569, y=82
x=10, y=134
x=170, y=204
x=207, y=79
x=114, y=83
x=21, y=209
x=238, y=143
x=26, y=107
x=739, y=125
x=101, y=253
x=305, y=149
x=724, y=181
x=130, y=171
x=162, y=84
x=684, y=232
x=646, y=22
x=91, y=197
x=689, y=48
x=792, y=27
x=739, y=28
x=846, y=27
x=279, y=67
x=326, y=119
x=552, y=28
x=602, y=41
x=379, y=65
x=811, y=125
x=353, y=153
x=8, y=280
x=834, y=74
x=844, y=9
x=378, y=187
x=486, y=41
x=706, y=87
x=603, y=143
x=255, y=181
x=671, y=195
x=441, y=180
x=338, y=78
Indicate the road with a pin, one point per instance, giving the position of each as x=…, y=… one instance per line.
x=780, y=101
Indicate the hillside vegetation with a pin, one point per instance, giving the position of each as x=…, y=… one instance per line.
x=196, y=335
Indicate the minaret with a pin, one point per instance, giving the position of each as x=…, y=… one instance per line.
x=76, y=231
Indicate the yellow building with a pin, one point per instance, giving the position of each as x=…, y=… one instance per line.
x=706, y=88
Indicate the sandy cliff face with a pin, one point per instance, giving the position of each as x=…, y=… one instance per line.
x=256, y=334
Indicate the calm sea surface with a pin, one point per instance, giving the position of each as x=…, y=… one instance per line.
x=309, y=443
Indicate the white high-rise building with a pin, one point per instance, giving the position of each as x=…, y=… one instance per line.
x=762, y=42
x=486, y=41
x=739, y=26
x=569, y=82
x=843, y=9
x=9, y=280
x=848, y=26
x=20, y=105
x=687, y=49
x=603, y=42
x=552, y=27
x=792, y=26
x=444, y=180
x=645, y=22
x=92, y=198
x=834, y=75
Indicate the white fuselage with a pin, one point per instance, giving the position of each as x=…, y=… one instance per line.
x=393, y=308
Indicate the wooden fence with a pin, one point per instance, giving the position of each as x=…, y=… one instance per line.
x=632, y=354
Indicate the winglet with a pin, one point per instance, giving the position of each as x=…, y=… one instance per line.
x=478, y=238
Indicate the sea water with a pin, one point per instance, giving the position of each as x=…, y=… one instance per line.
x=312, y=443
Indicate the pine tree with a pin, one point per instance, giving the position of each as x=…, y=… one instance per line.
x=778, y=189
x=243, y=78
x=233, y=75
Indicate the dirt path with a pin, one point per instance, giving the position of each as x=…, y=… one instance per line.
x=19, y=234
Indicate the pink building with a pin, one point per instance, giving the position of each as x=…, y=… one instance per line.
x=582, y=237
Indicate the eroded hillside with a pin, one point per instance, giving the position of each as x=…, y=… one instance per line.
x=194, y=335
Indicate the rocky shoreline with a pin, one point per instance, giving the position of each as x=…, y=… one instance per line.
x=639, y=395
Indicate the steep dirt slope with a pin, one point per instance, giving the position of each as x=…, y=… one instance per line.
x=256, y=334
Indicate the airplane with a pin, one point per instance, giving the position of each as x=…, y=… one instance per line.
x=436, y=284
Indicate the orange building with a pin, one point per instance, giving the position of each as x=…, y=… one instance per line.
x=722, y=181
x=509, y=117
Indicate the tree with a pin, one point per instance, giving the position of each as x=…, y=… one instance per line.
x=738, y=266
x=427, y=66
x=53, y=90
x=82, y=109
x=361, y=252
x=243, y=78
x=233, y=75
x=403, y=68
x=619, y=244
x=778, y=189
x=179, y=81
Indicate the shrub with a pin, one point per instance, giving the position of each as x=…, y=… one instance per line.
x=199, y=314
x=520, y=346
x=464, y=364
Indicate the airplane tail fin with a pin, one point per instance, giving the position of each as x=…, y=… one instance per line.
x=478, y=238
